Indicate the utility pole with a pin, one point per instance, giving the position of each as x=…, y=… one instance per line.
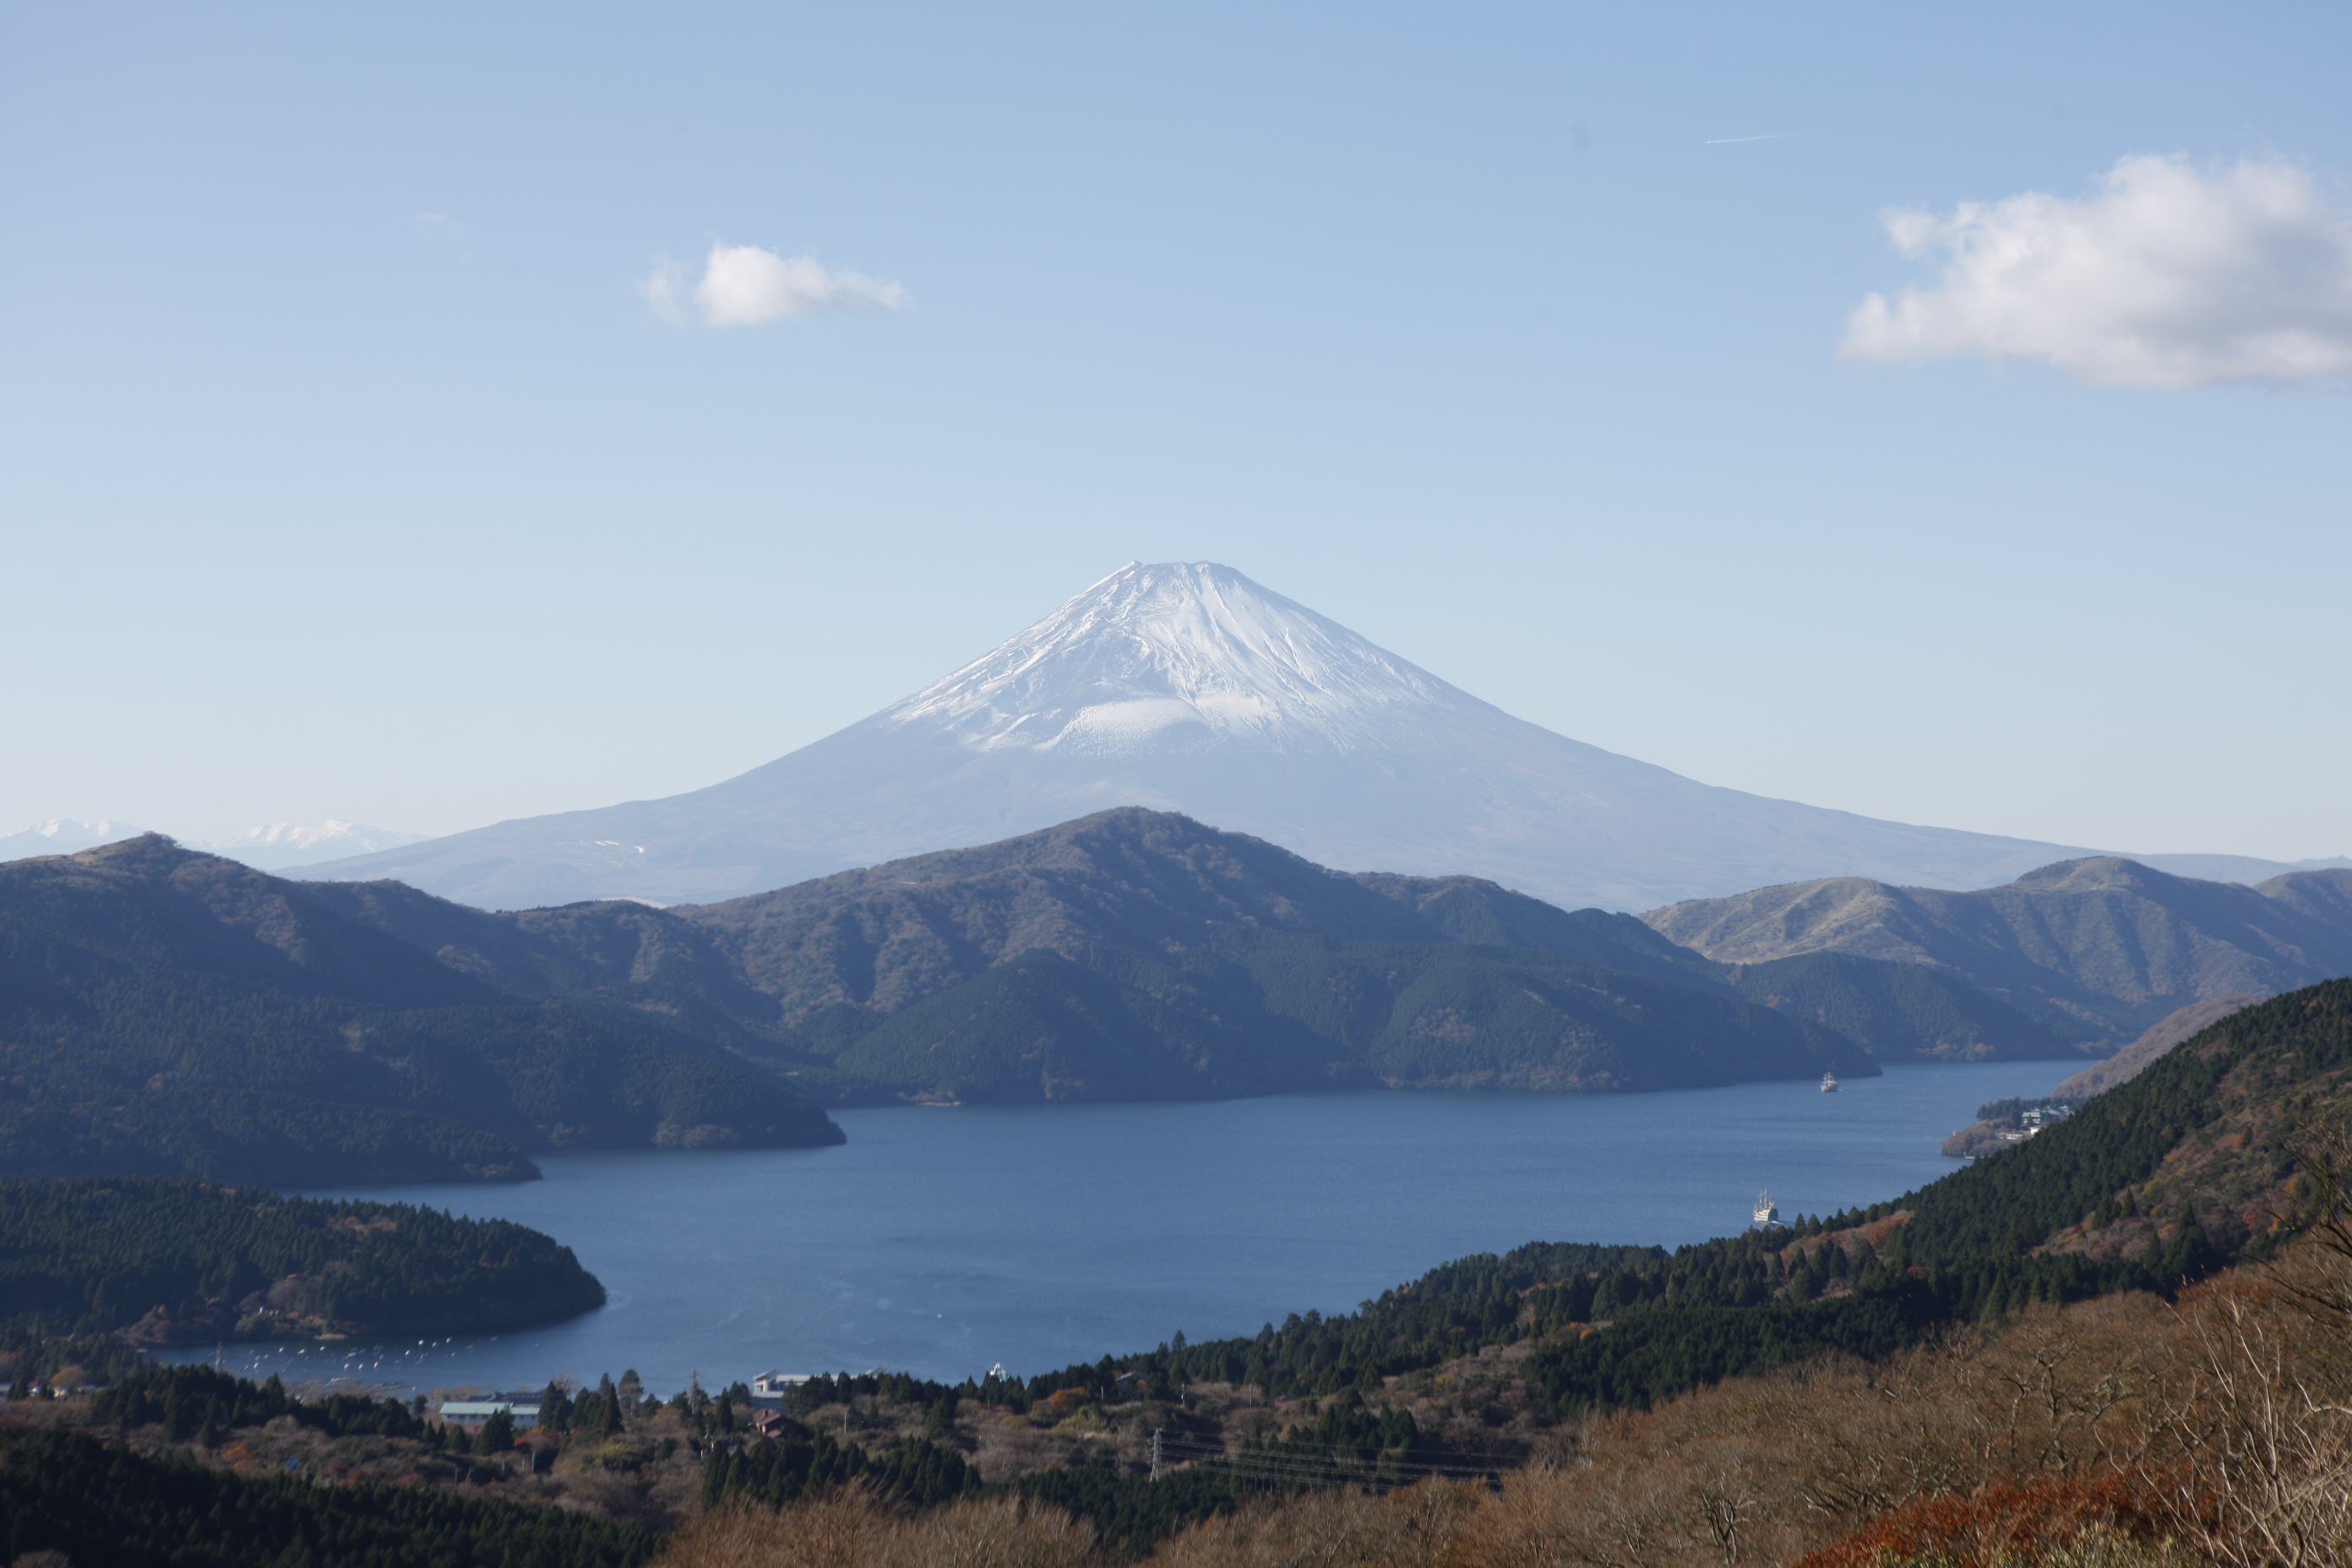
x=1155, y=1456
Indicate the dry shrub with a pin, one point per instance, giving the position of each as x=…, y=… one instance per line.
x=1417, y=1527
x=1703, y=1481
x=849, y=1529
x=1763, y=1469
x=2258, y=1403
x=838, y=1530
x=2052, y=1521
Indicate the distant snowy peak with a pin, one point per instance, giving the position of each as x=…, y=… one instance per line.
x=275, y=845
x=63, y=835
x=1183, y=658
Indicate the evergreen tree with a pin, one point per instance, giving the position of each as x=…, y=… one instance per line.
x=496, y=1435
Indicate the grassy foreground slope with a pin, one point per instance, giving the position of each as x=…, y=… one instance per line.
x=163, y=1011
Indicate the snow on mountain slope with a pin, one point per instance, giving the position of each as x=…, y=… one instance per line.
x=1181, y=660
x=278, y=845
x=1190, y=688
x=62, y=835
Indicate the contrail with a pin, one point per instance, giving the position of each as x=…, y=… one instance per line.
x=1776, y=136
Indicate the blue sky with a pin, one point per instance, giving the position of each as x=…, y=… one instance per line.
x=347, y=468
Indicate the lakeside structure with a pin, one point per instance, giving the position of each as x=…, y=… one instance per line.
x=473, y=1415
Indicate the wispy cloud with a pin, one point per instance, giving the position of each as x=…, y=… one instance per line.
x=743, y=285
x=2165, y=276
x=438, y=224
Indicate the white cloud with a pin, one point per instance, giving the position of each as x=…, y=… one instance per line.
x=440, y=224
x=744, y=285
x=2164, y=277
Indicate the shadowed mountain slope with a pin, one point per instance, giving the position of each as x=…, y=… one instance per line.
x=1134, y=953
x=885, y=936
x=2106, y=942
x=1896, y=1010
x=165, y=1012
x=1188, y=688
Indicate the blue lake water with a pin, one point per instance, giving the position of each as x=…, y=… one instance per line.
x=942, y=1241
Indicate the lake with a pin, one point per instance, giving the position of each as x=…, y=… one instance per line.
x=942, y=1242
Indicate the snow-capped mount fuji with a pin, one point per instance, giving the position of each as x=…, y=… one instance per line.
x=1189, y=687
x=1180, y=660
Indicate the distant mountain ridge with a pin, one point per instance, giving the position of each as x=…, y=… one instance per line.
x=270, y=846
x=278, y=845
x=175, y=1011
x=2112, y=944
x=63, y=835
x=1188, y=688
x=1135, y=954
x=1121, y=934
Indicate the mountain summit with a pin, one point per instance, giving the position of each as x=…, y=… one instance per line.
x=1176, y=660
x=1190, y=688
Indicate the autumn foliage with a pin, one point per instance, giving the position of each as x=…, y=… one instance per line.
x=2001, y=1526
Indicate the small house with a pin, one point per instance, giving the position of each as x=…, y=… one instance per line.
x=775, y=1426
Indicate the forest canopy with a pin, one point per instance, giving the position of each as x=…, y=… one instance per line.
x=164, y=1261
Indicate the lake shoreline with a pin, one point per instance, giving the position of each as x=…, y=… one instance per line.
x=1038, y=1236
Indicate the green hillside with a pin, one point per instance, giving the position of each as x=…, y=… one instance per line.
x=168, y=1012
x=1907, y=1010
x=1249, y=1011
x=66, y=1496
x=176, y=1261
x=1105, y=958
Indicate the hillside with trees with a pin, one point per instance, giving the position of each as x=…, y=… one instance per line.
x=163, y=1011
x=179, y=1262
x=1954, y=1361
x=2106, y=945
x=2159, y=1037
x=1141, y=955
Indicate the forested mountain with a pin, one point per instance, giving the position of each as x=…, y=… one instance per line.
x=880, y=938
x=1896, y=1010
x=163, y=1011
x=2105, y=945
x=1249, y=1011
x=1141, y=955
x=178, y=1261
